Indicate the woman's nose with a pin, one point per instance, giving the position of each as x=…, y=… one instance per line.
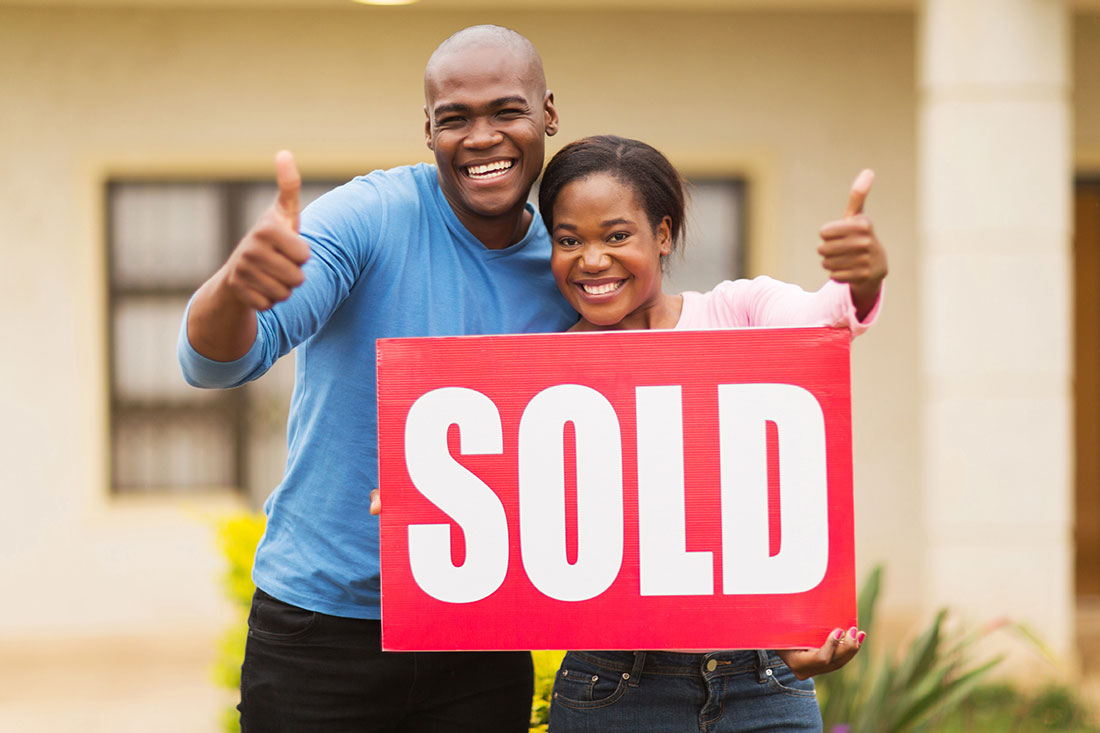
x=594, y=258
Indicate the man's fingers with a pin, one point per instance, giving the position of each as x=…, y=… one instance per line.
x=294, y=248
x=858, y=195
x=272, y=249
x=282, y=269
x=265, y=285
x=290, y=184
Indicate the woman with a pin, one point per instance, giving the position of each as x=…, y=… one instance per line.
x=615, y=212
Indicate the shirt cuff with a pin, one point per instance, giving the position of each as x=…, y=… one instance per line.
x=200, y=371
x=848, y=308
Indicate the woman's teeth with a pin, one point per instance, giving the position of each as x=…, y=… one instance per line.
x=601, y=289
x=489, y=170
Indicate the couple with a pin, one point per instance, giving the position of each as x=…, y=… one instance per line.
x=453, y=249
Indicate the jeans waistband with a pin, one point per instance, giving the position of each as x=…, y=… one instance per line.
x=635, y=664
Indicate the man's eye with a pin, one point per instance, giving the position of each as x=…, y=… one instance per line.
x=449, y=121
x=511, y=113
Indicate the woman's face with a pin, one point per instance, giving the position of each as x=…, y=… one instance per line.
x=606, y=258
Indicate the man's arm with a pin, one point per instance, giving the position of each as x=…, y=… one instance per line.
x=262, y=270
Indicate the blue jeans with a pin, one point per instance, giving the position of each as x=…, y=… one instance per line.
x=720, y=692
x=307, y=672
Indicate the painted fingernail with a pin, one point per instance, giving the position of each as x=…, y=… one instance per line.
x=852, y=632
x=839, y=634
x=861, y=637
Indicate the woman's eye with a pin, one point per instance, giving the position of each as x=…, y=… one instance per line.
x=619, y=236
x=568, y=242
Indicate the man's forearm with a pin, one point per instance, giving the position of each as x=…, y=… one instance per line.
x=219, y=325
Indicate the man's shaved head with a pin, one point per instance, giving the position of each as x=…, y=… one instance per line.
x=487, y=36
x=487, y=115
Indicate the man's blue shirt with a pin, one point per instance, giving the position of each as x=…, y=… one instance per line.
x=389, y=259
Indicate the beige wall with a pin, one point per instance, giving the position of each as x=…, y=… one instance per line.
x=798, y=103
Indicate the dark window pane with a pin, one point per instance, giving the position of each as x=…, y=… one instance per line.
x=714, y=247
x=145, y=365
x=166, y=234
x=173, y=453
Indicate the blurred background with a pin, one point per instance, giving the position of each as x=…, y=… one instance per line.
x=136, y=145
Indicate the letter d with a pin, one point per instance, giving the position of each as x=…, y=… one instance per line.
x=803, y=556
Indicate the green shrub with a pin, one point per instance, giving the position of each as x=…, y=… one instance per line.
x=238, y=535
x=546, y=669
x=890, y=693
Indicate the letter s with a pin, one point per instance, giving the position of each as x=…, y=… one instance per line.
x=459, y=493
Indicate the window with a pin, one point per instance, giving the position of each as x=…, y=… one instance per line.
x=714, y=249
x=164, y=240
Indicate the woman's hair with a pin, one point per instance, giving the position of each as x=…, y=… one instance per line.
x=659, y=186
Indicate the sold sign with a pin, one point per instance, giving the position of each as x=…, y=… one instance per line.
x=616, y=490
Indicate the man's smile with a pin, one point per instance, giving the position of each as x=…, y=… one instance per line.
x=489, y=171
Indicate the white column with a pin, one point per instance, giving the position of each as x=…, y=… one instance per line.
x=995, y=178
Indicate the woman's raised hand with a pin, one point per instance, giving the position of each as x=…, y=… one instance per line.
x=851, y=252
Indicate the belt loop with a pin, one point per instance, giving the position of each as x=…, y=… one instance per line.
x=635, y=675
x=761, y=665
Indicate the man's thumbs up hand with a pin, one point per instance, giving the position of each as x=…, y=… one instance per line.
x=267, y=263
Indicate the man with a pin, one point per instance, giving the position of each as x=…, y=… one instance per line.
x=413, y=251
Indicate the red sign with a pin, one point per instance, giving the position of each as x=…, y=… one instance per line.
x=616, y=490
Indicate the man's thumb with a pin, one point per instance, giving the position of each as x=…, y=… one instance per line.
x=290, y=183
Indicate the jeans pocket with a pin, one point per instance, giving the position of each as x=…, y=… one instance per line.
x=584, y=687
x=274, y=620
x=782, y=679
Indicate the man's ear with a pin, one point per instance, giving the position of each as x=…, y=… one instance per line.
x=551, y=114
x=428, y=129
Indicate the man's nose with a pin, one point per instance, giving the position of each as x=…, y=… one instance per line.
x=483, y=134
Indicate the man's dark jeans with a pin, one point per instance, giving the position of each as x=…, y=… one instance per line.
x=306, y=671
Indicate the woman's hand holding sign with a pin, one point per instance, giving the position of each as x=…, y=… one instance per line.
x=837, y=651
x=851, y=252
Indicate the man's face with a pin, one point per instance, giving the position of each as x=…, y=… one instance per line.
x=487, y=122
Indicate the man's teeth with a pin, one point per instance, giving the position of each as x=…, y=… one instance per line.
x=601, y=289
x=489, y=170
